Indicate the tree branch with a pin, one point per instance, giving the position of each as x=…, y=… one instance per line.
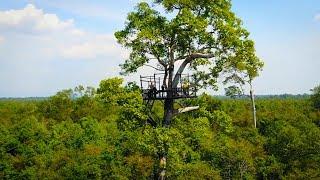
x=198, y=54
x=154, y=67
x=188, y=60
x=201, y=55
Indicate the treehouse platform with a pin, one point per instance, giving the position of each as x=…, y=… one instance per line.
x=155, y=87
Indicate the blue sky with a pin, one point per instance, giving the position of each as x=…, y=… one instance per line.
x=49, y=45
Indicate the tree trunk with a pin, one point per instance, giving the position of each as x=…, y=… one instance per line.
x=254, y=113
x=168, y=103
x=164, y=82
x=179, y=72
x=167, y=117
x=168, y=112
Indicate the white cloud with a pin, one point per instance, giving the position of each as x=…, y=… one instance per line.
x=99, y=45
x=37, y=49
x=53, y=36
x=32, y=20
x=317, y=17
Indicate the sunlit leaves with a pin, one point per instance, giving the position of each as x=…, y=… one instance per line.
x=186, y=27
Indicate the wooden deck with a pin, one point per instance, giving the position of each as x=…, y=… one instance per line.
x=177, y=93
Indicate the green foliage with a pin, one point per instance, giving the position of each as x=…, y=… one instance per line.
x=104, y=135
x=58, y=107
x=200, y=33
x=110, y=91
x=205, y=101
x=233, y=91
x=198, y=170
x=131, y=109
x=315, y=97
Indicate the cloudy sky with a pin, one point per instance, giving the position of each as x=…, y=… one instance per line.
x=49, y=45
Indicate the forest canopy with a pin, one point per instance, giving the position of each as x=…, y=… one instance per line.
x=101, y=133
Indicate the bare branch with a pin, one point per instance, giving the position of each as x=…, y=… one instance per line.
x=198, y=53
x=188, y=60
x=154, y=67
x=180, y=58
x=161, y=62
x=201, y=55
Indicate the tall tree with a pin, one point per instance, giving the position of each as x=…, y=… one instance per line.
x=242, y=78
x=204, y=35
x=243, y=69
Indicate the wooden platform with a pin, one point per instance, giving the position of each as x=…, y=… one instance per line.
x=177, y=93
x=155, y=87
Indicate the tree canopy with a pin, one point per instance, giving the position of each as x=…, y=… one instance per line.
x=204, y=35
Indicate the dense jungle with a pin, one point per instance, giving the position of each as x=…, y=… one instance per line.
x=102, y=133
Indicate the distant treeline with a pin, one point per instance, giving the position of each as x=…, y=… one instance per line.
x=23, y=98
x=280, y=96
